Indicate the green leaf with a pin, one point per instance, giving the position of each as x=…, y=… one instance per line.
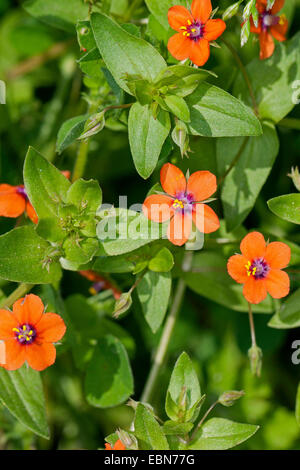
x=124, y=231
x=146, y=137
x=170, y=428
x=178, y=107
x=184, y=390
x=85, y=35
x=159, y=8
x=109, y=380
x=154, y=291
x=162, y=262
x=222, y=434
x=286, y=207
x=21, y=391
x=288, y=315
x=113, y=264
x=46, y=186
x=254, y=160
x=211, y=280
x=24, y=256
x=298, y=405
x=274, y=81
x=86, y=195
x=148, y=431
x=70, y=131
x=62, y=15
x=216, y=113
x=123, y=53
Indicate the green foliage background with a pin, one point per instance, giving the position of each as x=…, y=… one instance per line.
x=41, y=95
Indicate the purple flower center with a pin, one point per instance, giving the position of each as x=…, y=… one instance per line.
x=193, y=30
x=183, y=202
x=25, y=334
x=22, y=192
x=268, y=20
x=97, y=287
x=259, y=268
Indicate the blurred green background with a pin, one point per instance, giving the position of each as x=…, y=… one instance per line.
x=42, y=93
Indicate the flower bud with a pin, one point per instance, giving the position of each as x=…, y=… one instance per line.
x=231, y=11
x=181, y=138
x=228, y=398
x=127, y=439
x=122, y=304
x=93, y=125
x=295, y=175
x=255, y=356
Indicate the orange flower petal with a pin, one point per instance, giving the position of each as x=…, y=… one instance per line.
x=12, y=204
x=255, y=29
x=51, y=328
x=279, y=31
x=119, y=445
x=180, y=229
x=40, y=356
x=15, y=354
x=278, y=5
x=278, y=283
x=199, y=52
x=157, y=207
x=255, y=290
x=7, y=323
x=213, y=29
x=267, y=45
x=205, y=219
x=31, y=213
x=108, y=446
x=278, y=255
x=236, y=268
x=201, y=10
x=2, y=353
x=202, y=184
x=28, y=309
x=172, y=179
x=253, y=246
x=179, y=16
x=178, y=46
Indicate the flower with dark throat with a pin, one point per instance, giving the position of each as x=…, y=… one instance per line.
x=259, y=268
x=270, y=25
x=183, y=203
x=28, y=334
x=195, y=30
x=100, y=283
x=14, y=202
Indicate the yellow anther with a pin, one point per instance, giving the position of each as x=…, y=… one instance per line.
x=185, y=33
x=24, y=328
x=282, y=19
x=20, y=336
x=92, y=291
x=193, y=30
x=249, y=270
x=183, y=27
x=16, y=330
x=177, y=203
x=30, y=332
x=188, y=35
x=189, y=22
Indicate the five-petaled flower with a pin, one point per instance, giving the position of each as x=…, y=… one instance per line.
x=117, y=446
x=28, y=334
x=14, y=201
x=270, y=25
x=195, y=31
x=183, y=203
x=259, y=268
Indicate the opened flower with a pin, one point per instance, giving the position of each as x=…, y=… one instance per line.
x=14, y=202
x=28, y=334
x=100, y=283
x=259, y=268
x=195, y=31
x=270, y=25
x=183, y=203
x=118, y=446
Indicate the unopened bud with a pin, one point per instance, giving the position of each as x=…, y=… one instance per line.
x=295, y=175
x=255, y=356
x=231, y=11
x=181, y=138
x=127, y=439
x=228, y=398
x=122, y=304
x=93, y=125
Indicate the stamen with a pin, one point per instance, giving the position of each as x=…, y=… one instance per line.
x=25, y=334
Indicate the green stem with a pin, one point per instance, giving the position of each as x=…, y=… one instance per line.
x=290, y=123
x=244, y=73
x=234, y=161
x=20, y=291
x=252, y=328
x=162, y=348
x=203, y=419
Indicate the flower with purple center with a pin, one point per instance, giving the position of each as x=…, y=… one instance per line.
x=259, y=268
x=183, y=202
x=25, y=334
x=193, y=30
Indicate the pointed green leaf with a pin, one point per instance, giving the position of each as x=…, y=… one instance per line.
x=148, y=431
x=70, y=131
x=286, y=207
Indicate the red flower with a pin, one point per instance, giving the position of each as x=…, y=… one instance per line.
x=28, y=334
x=182, y=204
x=14, y=201
x=259, y=268
x=118, y=446
x=195, y=31
x=100, y=283
x=270, y=26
